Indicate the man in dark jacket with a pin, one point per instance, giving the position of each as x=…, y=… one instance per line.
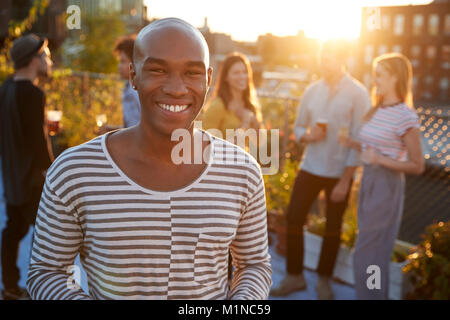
x=25, y=150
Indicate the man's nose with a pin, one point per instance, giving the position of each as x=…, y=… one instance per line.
x=175, y=86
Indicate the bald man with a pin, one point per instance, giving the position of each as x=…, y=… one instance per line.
x=146, y=226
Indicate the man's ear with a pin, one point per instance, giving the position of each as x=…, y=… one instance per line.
x=35, y=63
x=132, y=69
x=210, y=74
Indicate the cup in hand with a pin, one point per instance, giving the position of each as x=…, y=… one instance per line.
x=53, y=121
x=323, y=124
x=343, y=134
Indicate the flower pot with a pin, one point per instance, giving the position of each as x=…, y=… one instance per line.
x=399, y=283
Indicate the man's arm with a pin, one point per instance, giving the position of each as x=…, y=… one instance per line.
x=361, y=106
x=57, y=240
x=251, y=259
x=302, y=121
x=415, y=163
x=41, y=143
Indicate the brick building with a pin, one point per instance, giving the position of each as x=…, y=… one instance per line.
x=422, y=33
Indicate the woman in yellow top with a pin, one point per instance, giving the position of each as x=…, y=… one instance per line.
x=234, y=104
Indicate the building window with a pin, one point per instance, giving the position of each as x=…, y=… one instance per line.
x=397, y=48
x=386, y=22
x=433, y=24
x=446, y=57
x=399, y=24
x=415, y=51
x=373, y=18
x=415, y=56
x=431, y=52
x=447, y=25
x=368, y=56
x=415, y=83
x=443, y=86
x=417, y=24
x=428, y=81
x=382, y=49
x=415, y=63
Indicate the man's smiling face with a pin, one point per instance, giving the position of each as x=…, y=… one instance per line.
x=172, y=75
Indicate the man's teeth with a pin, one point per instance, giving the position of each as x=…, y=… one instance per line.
x=173, y=108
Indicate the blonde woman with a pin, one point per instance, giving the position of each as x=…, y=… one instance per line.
x=390, y=144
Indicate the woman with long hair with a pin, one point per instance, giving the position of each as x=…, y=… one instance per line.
x=390, y=144
x=234, y=104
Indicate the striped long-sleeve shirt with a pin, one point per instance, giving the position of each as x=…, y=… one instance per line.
x=136, y=243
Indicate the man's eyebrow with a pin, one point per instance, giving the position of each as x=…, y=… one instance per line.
x=155, y=60
x=200, y=64
x=149, y=60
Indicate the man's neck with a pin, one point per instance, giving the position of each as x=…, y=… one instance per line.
x=158, y=145
x=26, y=74
x=333, y=80
x=390, y=99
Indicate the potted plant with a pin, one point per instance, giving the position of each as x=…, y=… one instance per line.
x=428, y=267
x=278, y=192
x=343, y=269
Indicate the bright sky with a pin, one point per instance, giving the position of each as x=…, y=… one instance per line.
x=246, y=19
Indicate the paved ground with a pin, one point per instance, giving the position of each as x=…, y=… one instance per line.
x=342, y=292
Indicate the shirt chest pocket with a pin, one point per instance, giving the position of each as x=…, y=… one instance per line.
x=211, y=258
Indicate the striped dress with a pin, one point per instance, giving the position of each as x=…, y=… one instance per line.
x=136, y=243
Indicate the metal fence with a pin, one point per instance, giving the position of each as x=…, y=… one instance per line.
x=427, y=197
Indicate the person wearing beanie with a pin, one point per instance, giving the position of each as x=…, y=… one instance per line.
x=25, y=150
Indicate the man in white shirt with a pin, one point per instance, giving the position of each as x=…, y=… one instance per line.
x=333, y=105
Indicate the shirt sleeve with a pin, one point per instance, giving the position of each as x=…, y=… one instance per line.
x=249, y=249
x=408, y=121
x=303, y=119
x=131, y=107
x=57, y=239
x=361, y=106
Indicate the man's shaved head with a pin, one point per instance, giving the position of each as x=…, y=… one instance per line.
x=169, y=24
x=170, y=70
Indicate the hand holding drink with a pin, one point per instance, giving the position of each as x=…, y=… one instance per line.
x=318, y=132
x=53, y=121
x=323, y=124
x=343, y=136
x=370, y=156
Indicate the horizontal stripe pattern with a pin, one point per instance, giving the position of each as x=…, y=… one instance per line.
x=385, y=129
x=136, y=243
